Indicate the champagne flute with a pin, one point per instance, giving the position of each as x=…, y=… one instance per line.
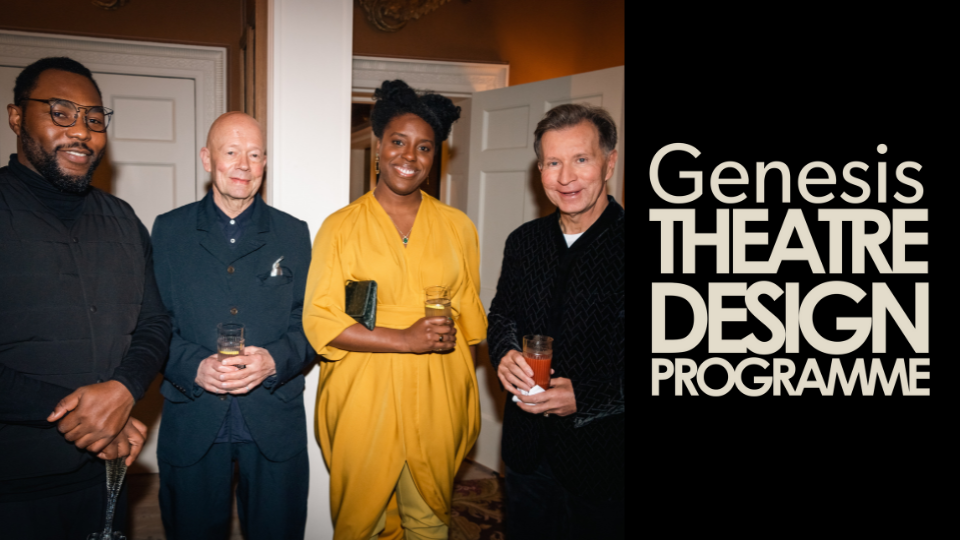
x=116, y=470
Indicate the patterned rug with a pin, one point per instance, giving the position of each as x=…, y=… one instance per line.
x=477, y=512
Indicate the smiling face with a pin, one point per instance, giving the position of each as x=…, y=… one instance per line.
x=406, y=154
x=575, y=171
x=235, y=157
x=65, y=156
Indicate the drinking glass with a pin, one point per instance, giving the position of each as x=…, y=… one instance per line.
x=116, y=470
x=538, y=352
x=229, y=341
x=437, y=302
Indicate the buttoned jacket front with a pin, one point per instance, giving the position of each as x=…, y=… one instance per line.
x=203, y=282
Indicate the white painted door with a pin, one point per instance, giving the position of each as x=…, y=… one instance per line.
x=150, y=163
x=503, y=188
x=151, y=142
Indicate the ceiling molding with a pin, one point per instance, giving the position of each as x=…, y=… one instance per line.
x=452, y=79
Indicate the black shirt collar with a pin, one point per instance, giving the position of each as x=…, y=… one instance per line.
x=242, y=220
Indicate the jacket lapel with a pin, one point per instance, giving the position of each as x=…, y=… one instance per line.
x=255, y=237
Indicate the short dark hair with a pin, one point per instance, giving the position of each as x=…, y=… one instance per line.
x=395, y=98
x=27, y=79
x=571, y=114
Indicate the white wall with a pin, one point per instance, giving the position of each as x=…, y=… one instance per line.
x=309, y=59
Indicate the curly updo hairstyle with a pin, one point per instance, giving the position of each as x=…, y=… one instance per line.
x=395, y=98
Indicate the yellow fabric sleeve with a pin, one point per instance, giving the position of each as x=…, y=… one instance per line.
x=324, y=315
x=473, y=317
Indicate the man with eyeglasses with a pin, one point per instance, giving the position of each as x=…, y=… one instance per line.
x=83, y=330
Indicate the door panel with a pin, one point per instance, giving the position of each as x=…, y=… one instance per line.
x=151, y=142
x=506, y=128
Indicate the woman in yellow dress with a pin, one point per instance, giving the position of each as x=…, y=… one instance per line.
x=397, y=408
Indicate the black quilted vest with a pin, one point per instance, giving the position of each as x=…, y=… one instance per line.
x=69, y=303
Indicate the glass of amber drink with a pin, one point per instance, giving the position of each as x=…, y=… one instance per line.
x=437, y=302
x=229, y=341
x=538, y=352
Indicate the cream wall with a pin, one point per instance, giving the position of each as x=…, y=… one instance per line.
x=309, y=59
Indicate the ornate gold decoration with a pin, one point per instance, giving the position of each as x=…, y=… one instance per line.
x=392, y=15
x=110, y=5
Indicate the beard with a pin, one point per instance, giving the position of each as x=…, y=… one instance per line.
x=46, y=164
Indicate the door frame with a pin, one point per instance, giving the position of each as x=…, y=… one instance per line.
x=205, y=65
x=452, y=79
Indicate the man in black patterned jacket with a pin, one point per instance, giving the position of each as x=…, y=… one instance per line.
x=562, y=276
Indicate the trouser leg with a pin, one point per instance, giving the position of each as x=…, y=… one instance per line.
x=416, y=516
x=62, y=517
x=392, y=529
x=381, y=525
x=534, y=507
x=271, y=495
x=595, y=519
x=540, y=507
x=195, y=501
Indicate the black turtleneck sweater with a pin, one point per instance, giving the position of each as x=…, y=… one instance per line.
x=65, y=205
x=150, y=340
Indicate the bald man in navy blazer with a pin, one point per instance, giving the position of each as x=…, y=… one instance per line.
x=230, y=258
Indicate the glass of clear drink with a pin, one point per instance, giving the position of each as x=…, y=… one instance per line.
x=437, y=302
x=229, y=341
x=538, y=352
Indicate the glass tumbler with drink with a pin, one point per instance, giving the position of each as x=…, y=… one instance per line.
x=437, y=302
x=538, y=353
x=229, y=341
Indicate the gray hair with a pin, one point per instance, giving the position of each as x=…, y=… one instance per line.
x=571, y=114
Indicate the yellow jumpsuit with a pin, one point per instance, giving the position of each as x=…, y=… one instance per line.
x=377, y=411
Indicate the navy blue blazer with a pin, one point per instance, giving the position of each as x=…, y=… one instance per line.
x=203, y=283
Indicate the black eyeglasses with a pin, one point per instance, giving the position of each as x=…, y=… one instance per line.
x=65, y=114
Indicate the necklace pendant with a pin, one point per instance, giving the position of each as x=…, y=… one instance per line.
x=405, y=240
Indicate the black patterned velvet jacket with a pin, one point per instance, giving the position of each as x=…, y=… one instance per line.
x=576, y=296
